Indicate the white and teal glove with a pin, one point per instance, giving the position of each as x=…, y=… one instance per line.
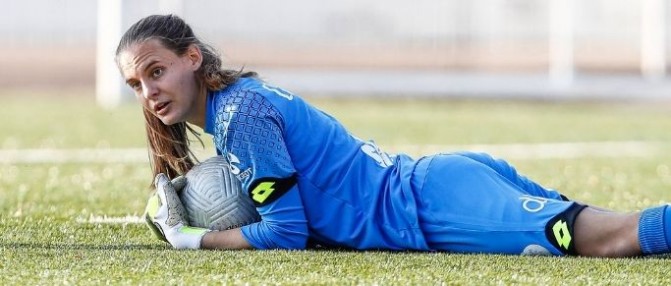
x=153, y=204
x=166, y=216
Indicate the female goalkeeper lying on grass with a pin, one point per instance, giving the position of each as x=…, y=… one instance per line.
x=311, y=179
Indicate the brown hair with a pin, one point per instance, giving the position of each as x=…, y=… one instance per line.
x=169, y=150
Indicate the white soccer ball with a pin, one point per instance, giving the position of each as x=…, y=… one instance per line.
x=213, y=197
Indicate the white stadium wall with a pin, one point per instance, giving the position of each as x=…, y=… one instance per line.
x=451, y=35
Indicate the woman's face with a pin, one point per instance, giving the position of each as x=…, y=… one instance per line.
x=164, y=82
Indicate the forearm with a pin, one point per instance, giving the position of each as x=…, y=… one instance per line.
x=225, y=239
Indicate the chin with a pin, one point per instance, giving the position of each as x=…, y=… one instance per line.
x=172, y=118
x=169, y=121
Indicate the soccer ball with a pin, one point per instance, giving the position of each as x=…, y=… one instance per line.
x=213, y=197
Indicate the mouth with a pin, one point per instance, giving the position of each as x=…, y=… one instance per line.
x=161, y=108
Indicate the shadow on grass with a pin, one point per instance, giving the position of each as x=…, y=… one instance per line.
x=311, y=248
x=80, y=246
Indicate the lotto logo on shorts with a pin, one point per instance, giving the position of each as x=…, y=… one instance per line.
x=559, y=229
x=561, y=234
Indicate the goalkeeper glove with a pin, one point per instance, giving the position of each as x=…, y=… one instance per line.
x=167, y=216
x=153, y=203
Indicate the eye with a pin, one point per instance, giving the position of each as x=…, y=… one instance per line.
x=135, y=85
x=156, y=73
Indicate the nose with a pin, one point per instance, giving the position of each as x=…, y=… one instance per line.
x=149, y=90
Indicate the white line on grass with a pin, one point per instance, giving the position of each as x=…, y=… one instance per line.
x=36, y=156
x=128, y=219
x=508, y=151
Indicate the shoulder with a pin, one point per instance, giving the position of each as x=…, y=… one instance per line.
x=256, y=97
x=248, y=106
x=246, y=89
x=247, y=96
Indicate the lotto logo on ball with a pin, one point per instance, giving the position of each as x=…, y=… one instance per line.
x=213, y=197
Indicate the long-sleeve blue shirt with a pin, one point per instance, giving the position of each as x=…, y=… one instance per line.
x=309, y=177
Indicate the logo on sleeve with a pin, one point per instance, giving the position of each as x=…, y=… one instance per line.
x=266, y=190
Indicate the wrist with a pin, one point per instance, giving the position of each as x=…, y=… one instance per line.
x=189, y=237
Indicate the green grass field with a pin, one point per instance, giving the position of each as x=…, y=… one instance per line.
x=46, y=236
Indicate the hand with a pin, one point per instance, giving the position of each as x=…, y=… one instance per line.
x=167, y=216
x=153, y=204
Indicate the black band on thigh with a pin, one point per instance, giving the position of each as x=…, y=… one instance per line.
x=559, y=230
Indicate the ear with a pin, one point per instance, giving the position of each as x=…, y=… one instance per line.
x=194, y=56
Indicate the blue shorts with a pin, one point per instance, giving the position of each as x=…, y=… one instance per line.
x=471, y=202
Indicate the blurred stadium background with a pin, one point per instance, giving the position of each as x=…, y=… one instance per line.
x=550, y=49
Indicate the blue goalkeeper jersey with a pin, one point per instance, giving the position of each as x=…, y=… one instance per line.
x=308, y=176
